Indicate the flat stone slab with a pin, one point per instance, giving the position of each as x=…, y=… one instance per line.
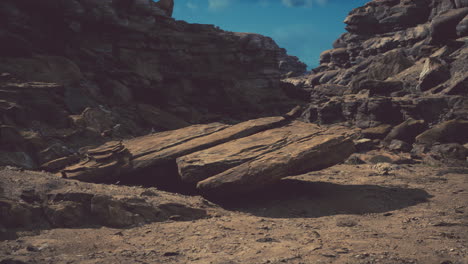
x=108, y=161
x=203, y=164
x=308, y=155
x=157, y=142
x=223, y=159
x=148, y=156
x=113, y=159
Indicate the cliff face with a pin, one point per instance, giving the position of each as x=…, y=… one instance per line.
x=125, y=52
x=121, y=68
x=399, y=59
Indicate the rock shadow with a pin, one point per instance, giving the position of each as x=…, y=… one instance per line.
x=292, y=198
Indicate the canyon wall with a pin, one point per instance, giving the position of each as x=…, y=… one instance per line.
x=399, y=60
x=80, y=72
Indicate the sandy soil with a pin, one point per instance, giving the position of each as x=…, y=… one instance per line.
x=345, y=214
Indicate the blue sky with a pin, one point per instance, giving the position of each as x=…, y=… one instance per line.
x=304, y=27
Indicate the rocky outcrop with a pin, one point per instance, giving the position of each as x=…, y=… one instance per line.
x=453, y=131
x=399, y=60
x=204, y=153
x=203, y=164
x=125, y=52
x=42, y=200
x=315, y=153
x=290, y=66
x=79, y=73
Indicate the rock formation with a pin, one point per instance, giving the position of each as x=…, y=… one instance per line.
x=399, y=60
x=224, y=160
x=78, y=73
x=115, y=101
x=81, y=73
x=45, y=201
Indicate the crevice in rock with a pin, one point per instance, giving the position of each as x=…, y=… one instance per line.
x=164, y=177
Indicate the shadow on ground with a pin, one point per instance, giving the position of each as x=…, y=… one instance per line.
x=295, y=198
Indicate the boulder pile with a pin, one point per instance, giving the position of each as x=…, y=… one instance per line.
x=401, y=65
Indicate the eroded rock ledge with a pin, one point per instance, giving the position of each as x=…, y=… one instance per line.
x=223, y=159
x=400, y=62
x=40, y=200
x=83, y=72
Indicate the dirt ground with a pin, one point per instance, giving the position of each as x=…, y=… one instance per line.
x=345, y=214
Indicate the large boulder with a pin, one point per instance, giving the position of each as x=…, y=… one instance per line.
x=106, y=162
x=453, y=131
x=444, y=27
x=195, y=153
x=406, y=131
x=154, y=150
x=434, y=72
x=313, y=154
x=380, y=87
x=386, y=16
x=378, y=132
x=203, y=164
x=389, y=64
x=114, y=159
x=462, y=27
x=166, y=5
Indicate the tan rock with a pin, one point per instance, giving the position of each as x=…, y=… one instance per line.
x=313, y=154
x=114, y=159
x=101, y=164
x=377, y=132
x=406, y=131
x=206, y=163
x=146, y=153
x=453, y=131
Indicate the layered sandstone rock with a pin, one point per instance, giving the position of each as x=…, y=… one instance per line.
x=399, y=60
x=315, y=153
x=204, y=153
x=82, y=72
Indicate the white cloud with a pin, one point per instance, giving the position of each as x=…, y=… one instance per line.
x=218, y=4
x=297, y=3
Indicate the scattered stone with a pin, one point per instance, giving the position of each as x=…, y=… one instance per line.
x=364, y=144
x=267, y=240
x=354, y=160
x=406, y=131
x=171, y=254
x=453, y=131
x=378, y=132
x=383, y=168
